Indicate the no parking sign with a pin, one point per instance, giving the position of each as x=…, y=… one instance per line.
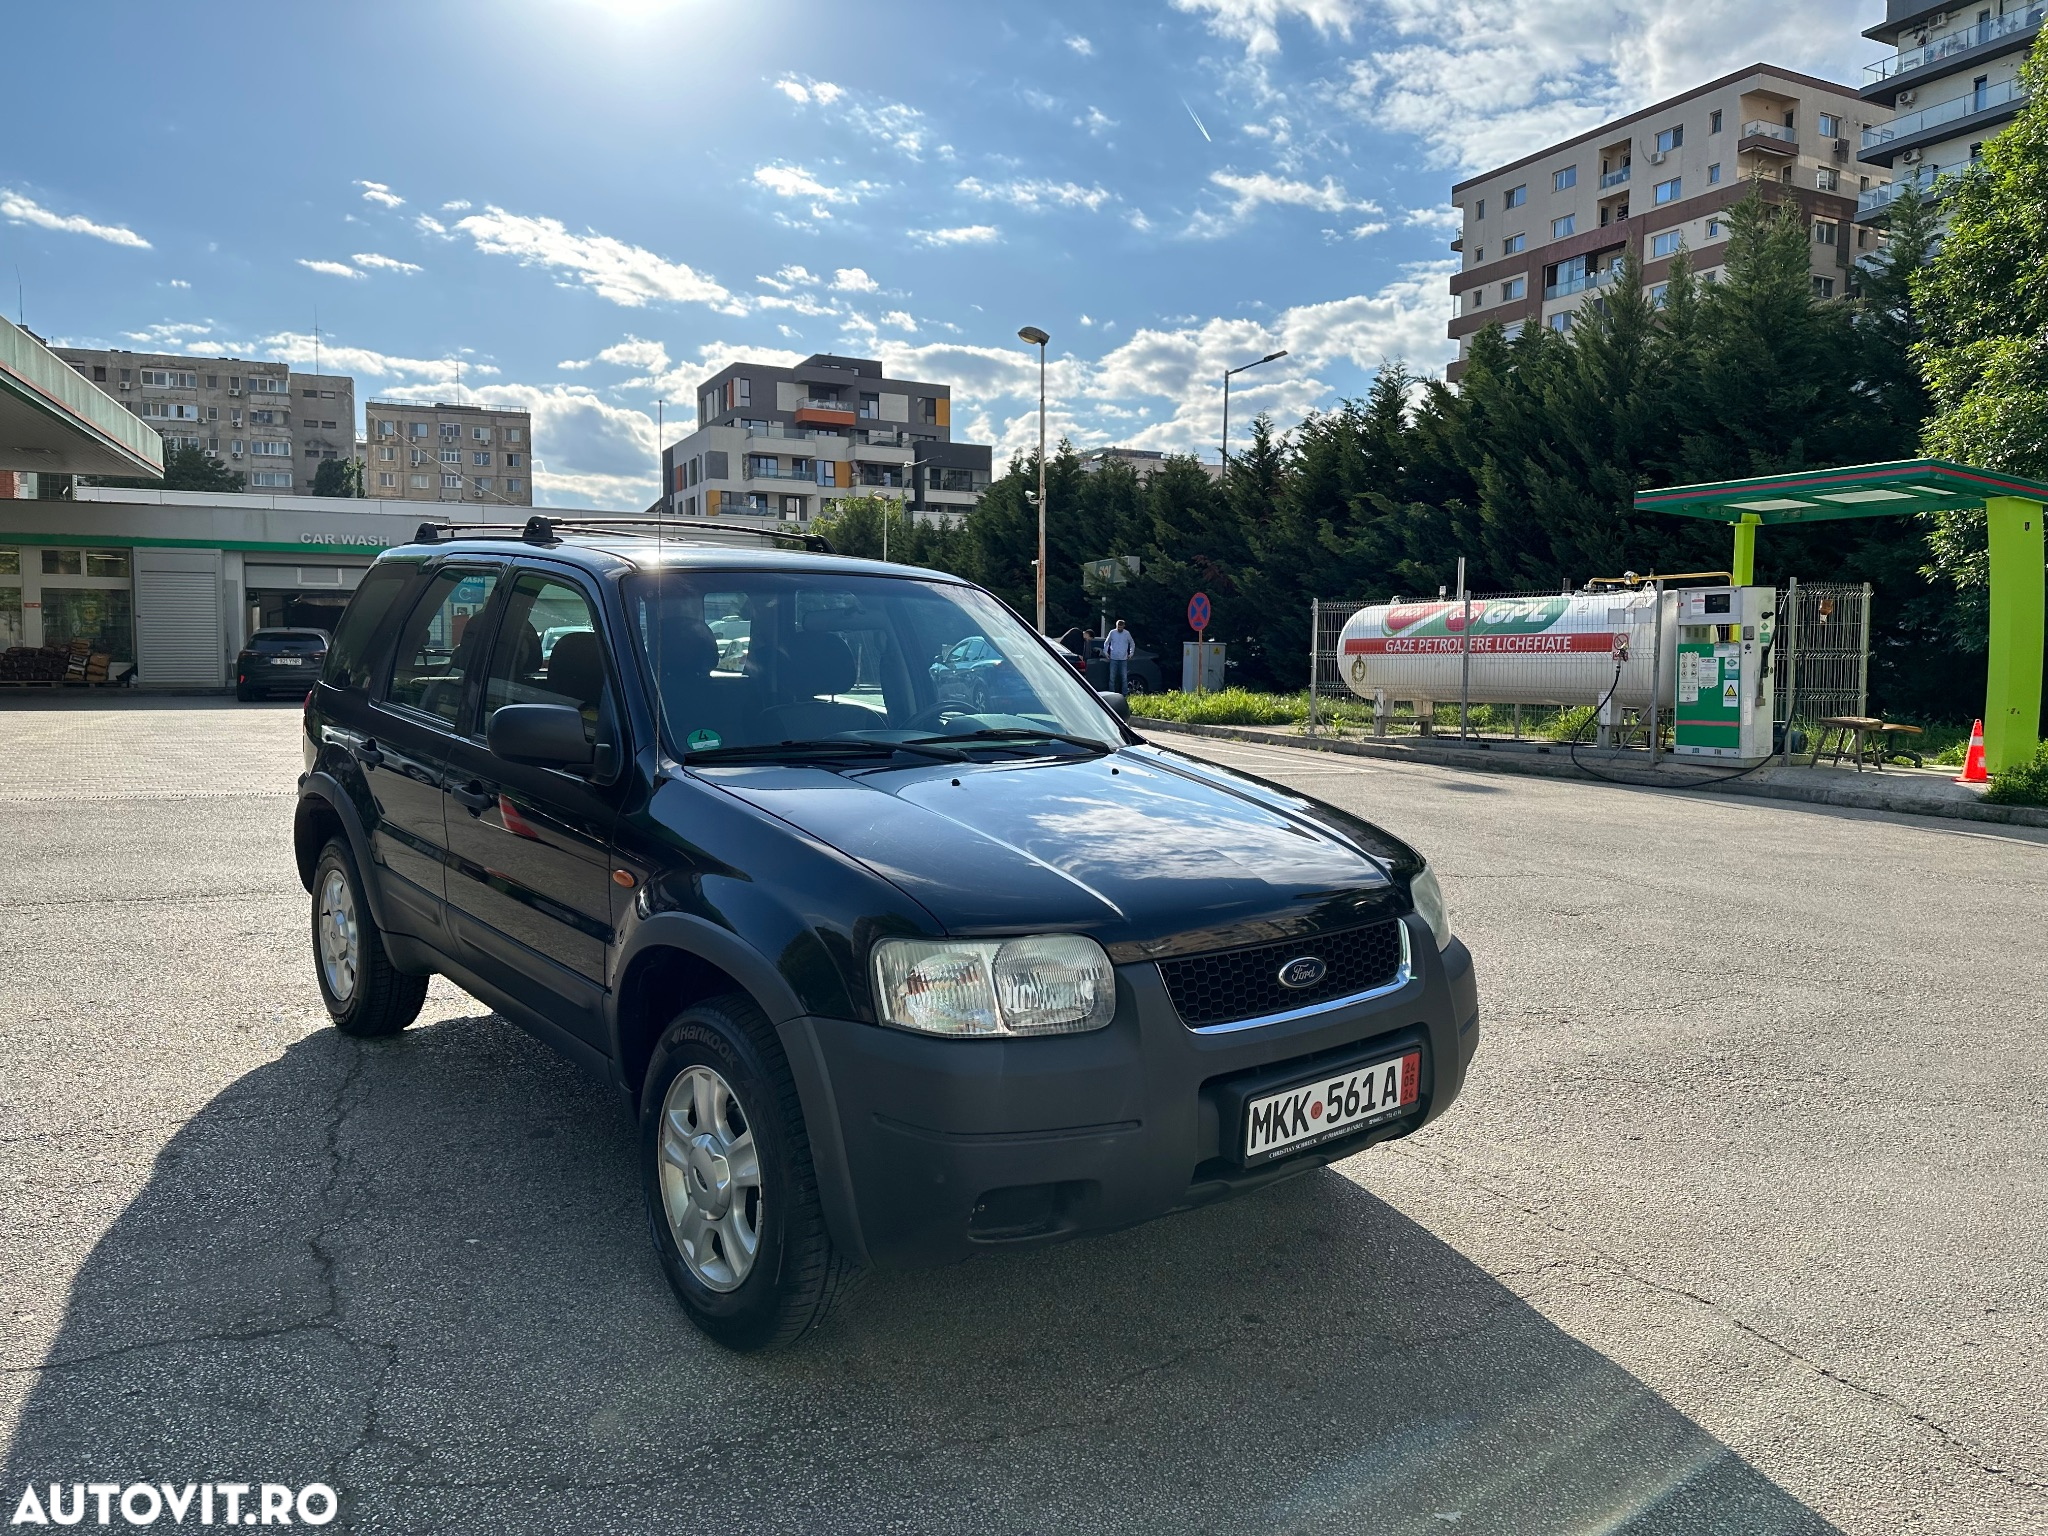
x=1198, y=612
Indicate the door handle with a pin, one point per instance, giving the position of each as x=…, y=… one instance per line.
x=475, y=796
x=367, y=754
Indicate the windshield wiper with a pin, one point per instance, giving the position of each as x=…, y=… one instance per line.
x=1000, y=734
x=821, y=748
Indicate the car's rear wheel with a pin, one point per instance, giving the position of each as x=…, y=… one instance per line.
x=1134, y=685
x=365, y=994
x=732, y=1198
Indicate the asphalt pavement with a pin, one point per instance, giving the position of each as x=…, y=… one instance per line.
x=1737, y=1228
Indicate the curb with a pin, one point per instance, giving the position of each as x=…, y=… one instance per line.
x=1555, y=763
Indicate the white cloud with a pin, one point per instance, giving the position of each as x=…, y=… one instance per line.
x=299, y=347
x=168, y=333
x=427, y=224
x=1370, y=227
x=633, y=352
x=1033, y=196
x=1081, y=45
x=1250, y=193
x=330, y=268
x=457, y=205
x=795, y=181
x=854, y=280
x=19, y=209
x=179, y=282
x=788, y=278
x=807, y=90
x=899, y=320
x=1096, y=121
x=376, y=192
x=383, y=263
x=1445, y=217
x=963, y=234
x=1256, y=23
x=627, y=275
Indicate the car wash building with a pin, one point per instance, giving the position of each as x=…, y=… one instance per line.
x=170, y=584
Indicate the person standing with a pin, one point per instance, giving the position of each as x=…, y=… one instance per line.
x=1117, y=646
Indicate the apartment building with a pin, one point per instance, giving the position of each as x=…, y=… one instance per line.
x=785, y=443
x=1543, y=234
x=262, y=419
x=1951, y=82
x=447, y=453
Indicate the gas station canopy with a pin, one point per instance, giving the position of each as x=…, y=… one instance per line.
x=1860, y=490
x=54, y=422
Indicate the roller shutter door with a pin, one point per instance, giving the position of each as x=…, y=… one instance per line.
x=180, y=633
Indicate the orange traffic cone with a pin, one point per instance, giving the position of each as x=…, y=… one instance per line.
x=1973, y=763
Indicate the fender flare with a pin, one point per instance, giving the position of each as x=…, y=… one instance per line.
x=327, y=789
x=710, y=942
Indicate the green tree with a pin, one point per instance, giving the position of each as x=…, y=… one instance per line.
x=338, y=477
x=186, y=468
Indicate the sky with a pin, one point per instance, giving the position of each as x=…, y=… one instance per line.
x=584, y=207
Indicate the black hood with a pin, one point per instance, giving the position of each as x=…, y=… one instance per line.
x=1151, y=854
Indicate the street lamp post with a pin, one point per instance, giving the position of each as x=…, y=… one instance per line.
x=1228, y=373
x=1038, y=338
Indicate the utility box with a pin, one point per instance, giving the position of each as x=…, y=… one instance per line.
x=1201, y=666
x=1726, y=695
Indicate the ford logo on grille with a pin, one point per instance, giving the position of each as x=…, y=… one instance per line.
x=1303, y=972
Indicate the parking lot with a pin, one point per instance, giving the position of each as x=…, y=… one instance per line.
x=1738, y=1227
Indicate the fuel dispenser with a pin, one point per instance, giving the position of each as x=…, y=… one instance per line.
x=1726, y=701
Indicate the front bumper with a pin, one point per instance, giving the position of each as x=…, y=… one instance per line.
x=929, y=1150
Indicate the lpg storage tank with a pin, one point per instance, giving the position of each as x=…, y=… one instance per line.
x=1559, y=650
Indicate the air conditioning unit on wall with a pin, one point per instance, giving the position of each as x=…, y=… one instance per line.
x=1910, y=157
x=1656, y=157
x=1907, y=98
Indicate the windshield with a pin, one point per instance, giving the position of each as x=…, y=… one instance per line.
x=755, y=659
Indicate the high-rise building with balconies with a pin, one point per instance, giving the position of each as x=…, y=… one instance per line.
x=785, y=443
x=1544, y=233
x=1952, y=81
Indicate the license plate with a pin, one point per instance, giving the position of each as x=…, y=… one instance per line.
x=1331, y=1106
x=287, y=661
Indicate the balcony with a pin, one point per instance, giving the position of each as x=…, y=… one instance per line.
x=785, y=430
x=1768, y=138
x=1969, y=104
x=1614, y=178
x=1566, y=287
x=1951, y=43
x=1876, y=199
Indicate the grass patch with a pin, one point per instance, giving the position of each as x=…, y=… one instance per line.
x=1233, y=706
x=1341, y=716
x=2024, y=785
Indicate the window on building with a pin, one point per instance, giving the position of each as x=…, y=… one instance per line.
x=235, y=446
x=1561, y=322
x=314, y=453
x=420, y=482
x=1713, y=229
x=99, y=373
x=1513, y=288
x=1513, y=245
x=213, y=413
x=1826, y=232
x=326, y=394
x=481, y=434
x=1559, y=228
x=416, y=429
x=167, y=378
x=482, y=484
x=871, y=406
x=513, y=434
x=263, y=449
x=928, y=410
x=309, y=394
x=479, y=458
x=270, y=479
x=386, y=452
x=1657, y=291
x=1827, y=179
x=512, y=462
x=451, y=482
x=1980, y=93
x=1671, y=138
x=1714, y=174
x=1479, y=208
x=1666, y=244
x=1478, y=255
x=450, y=432
x=1823, y=287
x=265, y=384
x=1830, y=126
x=1568, y=177
x=1511, y=331
x=1713, y=122
x=1514, y=197
x=1786, y=176
x=213, y=381
x=514, y=487
x=1667, y=191
x=386, y=480
x=1977, y=150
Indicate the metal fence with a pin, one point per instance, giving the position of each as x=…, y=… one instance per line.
x=1822, y=660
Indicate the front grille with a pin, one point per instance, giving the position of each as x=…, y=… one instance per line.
x=1236, y=984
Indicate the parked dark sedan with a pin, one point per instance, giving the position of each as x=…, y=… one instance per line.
x=889, y=975
x=280, y=661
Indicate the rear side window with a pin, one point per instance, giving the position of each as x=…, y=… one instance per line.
x=349, y=659
x=436, y=648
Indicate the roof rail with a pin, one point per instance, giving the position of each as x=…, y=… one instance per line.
x=548, y=530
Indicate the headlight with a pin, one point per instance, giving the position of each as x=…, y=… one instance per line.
x=1057, y=984
x=1429, y=905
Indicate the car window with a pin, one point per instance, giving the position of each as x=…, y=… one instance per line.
x=435, y=648
x=350, y=658
x=286, y=640
x=548, y=652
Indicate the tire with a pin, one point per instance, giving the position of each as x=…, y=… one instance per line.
x=1135, y=686
x=365, y=994
x=718, y=1084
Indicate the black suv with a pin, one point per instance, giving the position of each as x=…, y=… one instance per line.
x=887, y=980
x=279, y=658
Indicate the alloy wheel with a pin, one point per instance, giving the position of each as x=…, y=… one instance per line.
x=710, y=1178
x=340, y=938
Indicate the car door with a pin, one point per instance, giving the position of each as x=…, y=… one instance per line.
x=529, y=882
x=410, y=725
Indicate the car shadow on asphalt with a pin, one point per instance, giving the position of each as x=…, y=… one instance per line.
x=418, y=1270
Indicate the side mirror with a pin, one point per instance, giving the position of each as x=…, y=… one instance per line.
x=1118, y=704
x=544, y=735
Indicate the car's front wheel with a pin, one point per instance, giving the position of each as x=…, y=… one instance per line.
x=365, y=994
x=732, y=1199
